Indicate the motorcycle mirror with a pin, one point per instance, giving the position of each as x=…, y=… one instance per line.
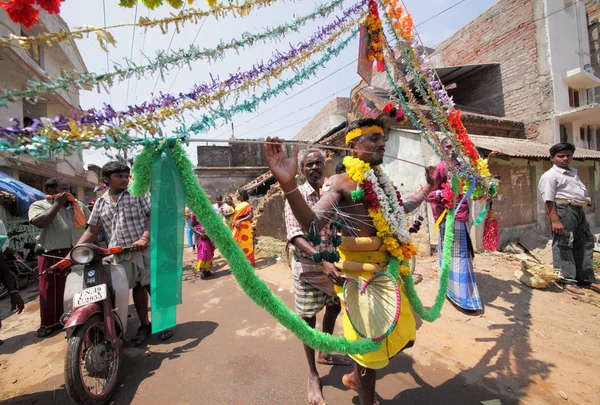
x=39, y=250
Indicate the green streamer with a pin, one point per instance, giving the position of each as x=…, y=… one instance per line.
x=481, y=215
x=409, y=286
x=166, y=241
x=164, y=61
x=245, y=275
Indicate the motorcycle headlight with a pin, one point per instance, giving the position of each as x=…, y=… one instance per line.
x=83, y=255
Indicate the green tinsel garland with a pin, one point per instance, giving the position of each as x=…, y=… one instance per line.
x=245, y=275
x=409, y=285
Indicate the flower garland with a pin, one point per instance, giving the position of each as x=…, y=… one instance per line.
x=163, y=61
x=244, y=274
x=384, y=206
x=24, y=12
x=373, y=24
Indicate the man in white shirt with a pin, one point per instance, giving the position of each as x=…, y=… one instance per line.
x=565, y=196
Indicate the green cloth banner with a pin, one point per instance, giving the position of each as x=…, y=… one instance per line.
x=166, y=240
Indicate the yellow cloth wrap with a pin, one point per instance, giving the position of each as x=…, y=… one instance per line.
x=405, y=330
x=355, y=133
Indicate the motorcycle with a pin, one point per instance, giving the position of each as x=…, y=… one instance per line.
x=96, y=299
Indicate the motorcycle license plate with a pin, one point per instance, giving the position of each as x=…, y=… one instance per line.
x=89, y=295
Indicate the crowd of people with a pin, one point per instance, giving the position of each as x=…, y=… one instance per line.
x=238, y=217
x=326, y=253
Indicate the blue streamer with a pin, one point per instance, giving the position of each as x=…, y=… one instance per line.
x=467, y=195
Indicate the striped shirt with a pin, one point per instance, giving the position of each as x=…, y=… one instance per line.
x=123, y=221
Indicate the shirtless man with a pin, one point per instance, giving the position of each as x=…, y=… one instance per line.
x=367, y=139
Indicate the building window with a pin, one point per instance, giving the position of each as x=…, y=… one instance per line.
x=573, y=97
x=582, y=133
x=598, y=139
x=36, y=52
x=563, y=134
x=590, y=133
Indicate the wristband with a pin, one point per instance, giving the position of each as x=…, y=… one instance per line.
x=291, y=191
x=13, y=291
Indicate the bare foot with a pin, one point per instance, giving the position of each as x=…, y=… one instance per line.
x=349, y=381
x=315, y=391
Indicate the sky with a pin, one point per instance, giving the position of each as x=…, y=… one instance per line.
x=283, y=116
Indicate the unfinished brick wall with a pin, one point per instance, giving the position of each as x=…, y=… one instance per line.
x=507, y=34
x=480, y=92
x=270, y=220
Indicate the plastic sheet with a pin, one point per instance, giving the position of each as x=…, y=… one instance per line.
x=26, y=195
x=166, y=241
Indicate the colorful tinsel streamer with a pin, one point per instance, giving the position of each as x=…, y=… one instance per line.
x=244, y=274
x=164, y=61
x=168, y=106
x=191, y=15
x=209, y=120
x=60, y=136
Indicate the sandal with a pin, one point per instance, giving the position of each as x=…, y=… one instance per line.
x=44, y=332
x=166, y=334
x=142, y=334
x=594, y=287
x=573, y=289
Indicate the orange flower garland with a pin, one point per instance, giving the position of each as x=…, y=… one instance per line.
x=373, y=24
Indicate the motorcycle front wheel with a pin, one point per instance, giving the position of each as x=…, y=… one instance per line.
x=91, y=364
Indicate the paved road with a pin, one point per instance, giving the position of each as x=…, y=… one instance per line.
x=226, y=350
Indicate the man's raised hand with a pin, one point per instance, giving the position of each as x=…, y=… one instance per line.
x=283, y=168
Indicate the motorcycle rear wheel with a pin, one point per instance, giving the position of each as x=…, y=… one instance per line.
x=89, y=361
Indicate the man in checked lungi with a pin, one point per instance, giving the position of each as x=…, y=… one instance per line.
x=313, y=282
x=367, y=210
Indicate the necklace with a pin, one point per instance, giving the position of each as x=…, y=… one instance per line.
x=384, y=205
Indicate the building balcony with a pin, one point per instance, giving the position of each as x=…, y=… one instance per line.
x=587, y=115
x=581, y=79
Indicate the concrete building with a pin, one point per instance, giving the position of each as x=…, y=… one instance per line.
x=39, y=63
x=523, y=75
x=531, y=61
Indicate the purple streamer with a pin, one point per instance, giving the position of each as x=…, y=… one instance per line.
x=109, y=116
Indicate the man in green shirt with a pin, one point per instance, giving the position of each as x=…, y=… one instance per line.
x=61, y=220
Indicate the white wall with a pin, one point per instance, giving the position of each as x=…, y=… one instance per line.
x=569, y=45
x=407, y=146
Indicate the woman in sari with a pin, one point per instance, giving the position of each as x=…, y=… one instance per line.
x=206, y=249
x=242, y=226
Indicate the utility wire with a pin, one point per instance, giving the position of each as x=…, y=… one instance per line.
x=140, y=61
x=107, y=52
x=131, y=51
x=193, y=42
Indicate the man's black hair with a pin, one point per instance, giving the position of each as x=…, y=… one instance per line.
x=244, y=194
x=340, y=168
x=53, y=183
x=561, y=147
x=219, y=198
x=365, y=122
x=114, y=167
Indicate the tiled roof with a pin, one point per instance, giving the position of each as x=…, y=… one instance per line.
x=525, y=148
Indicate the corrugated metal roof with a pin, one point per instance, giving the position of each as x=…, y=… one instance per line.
x=525, y=148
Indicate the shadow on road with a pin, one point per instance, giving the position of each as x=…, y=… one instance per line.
x=137, y=365
x=503, y=372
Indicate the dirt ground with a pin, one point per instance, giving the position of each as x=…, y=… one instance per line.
x=529, y=347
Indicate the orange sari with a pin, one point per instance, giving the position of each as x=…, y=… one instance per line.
x=243, y=234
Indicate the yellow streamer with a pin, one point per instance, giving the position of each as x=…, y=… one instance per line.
x=440, y=219
x=104, y=37
x=147, y=123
